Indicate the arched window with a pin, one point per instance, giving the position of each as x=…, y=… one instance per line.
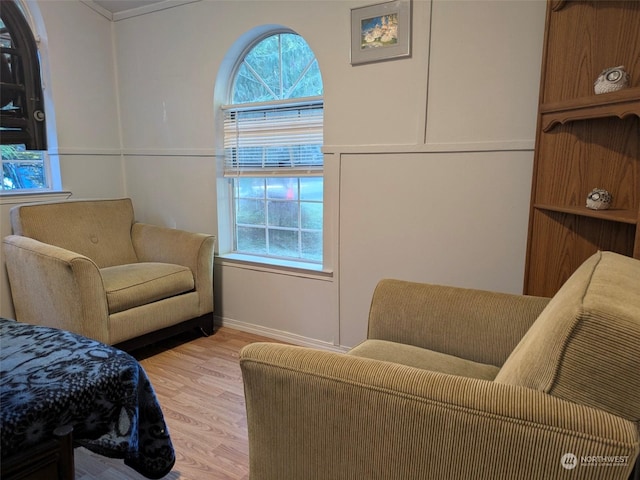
x=272, y=140
x=22, y=119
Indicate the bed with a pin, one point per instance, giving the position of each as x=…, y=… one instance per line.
x=54, y=380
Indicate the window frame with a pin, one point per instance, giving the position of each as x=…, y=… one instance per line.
x=26, y=123
x=31, y=25
x=229, y=219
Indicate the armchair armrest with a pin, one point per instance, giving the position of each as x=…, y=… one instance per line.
x=70, y=292
x=153, y=243
x=322, y=415
x=477, y=325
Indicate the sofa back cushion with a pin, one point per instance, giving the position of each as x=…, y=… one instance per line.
x=98, y=229
x=585, y=346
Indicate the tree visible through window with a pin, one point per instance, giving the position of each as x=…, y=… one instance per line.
x=273, y=141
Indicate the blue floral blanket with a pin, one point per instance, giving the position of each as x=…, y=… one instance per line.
x=51, y=378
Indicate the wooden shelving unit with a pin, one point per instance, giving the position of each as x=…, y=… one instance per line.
x=620, y=104
x=611, y=215
x=584, y=141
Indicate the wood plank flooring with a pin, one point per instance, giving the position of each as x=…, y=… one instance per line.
x=199, y=386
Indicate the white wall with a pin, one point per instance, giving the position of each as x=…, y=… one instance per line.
x=453, y=207
x=428, y=158
x=84, y=91
x=448, y=218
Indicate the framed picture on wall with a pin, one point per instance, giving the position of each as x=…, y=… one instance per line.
x=381, y=32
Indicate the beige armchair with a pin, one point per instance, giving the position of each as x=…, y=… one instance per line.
x=457, y=384
x=86, y=266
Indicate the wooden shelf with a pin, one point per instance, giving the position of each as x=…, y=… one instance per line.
x=611, y=215
x=621, y=104
x=584, y=140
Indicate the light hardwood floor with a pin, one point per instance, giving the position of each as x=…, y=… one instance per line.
x=199, y=386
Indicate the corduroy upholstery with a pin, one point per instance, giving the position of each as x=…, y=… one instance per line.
x=395, y=413
x=423, y=358
x=86, y=266
x=585, y=346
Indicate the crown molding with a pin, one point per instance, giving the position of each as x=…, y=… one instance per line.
x=135, y=12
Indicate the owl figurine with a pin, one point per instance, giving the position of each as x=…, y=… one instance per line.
x=611, y=80
x=599, y=199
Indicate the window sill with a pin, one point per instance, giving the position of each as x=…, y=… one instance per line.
x=274, y=265
x=27, y=196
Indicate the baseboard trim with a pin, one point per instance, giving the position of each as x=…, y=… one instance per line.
x=278, y=335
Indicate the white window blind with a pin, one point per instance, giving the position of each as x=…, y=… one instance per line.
x=273, y=139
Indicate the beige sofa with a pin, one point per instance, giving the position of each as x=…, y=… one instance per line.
x=457, y=384
x=87, y=266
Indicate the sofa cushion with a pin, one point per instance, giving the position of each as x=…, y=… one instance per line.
x=98, y=229
x=585, y=346
x=423, y=358
x=135, y=284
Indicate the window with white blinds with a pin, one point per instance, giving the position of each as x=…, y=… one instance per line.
x=273, y=139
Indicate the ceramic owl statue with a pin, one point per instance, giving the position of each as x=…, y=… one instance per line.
x=611, y=80
x=599, y=199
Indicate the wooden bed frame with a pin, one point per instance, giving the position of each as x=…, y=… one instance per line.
x=50, y=460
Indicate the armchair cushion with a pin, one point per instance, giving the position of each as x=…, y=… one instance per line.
x=97, y=229
x=476, y=325
x=585, y=346
x=129, y=286
x=423, y=358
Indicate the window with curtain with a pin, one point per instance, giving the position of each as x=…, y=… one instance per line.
x=272, y=145
x=22, y=119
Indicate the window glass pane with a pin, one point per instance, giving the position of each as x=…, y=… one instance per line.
x=283, y=242
x=264, y=60
x=294, y=227
x=22, y=169
x=283, y=214
x=250, y=212
x=279, y=67
x=311, y=216
x=310, y=85
x=296, y=59
x=311, y=188
x=251, y=240
x=250, y=187
x=282, y=188
x=311, y=246
x=248, y=88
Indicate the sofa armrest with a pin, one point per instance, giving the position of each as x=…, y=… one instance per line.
x=153, y=243
x=322, y=415
x=477, y=325
x=56, y=287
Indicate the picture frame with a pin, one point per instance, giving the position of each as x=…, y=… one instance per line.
x=381, y=32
